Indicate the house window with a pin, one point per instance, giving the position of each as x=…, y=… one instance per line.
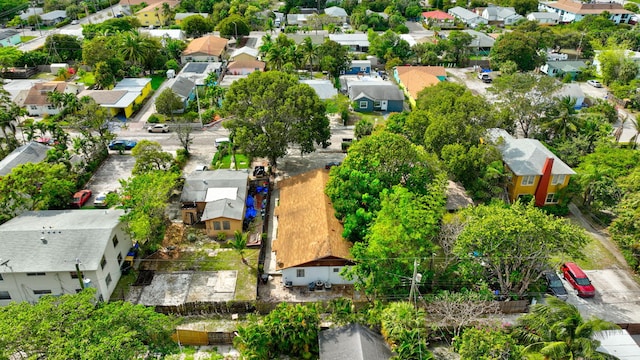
x=363, y=69
x=51, y=107
x=33, y=107
x=36, y=274
x=364, y=104
x=41, y=292
x=115, y=241
x=376, y=104
x=74, y=274
x=226, y=225
x=103, y=262
x=4, y=295
x=216, y=225
x=551, y=199
x=119, y=259
x=108, y=279
x=300, y=273
x=528, y=180
x=1, y=278
x=557, y=179
x=335, y=270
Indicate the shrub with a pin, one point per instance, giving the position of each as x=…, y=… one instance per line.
x=153, y=119
x=221, y=237
x=556, y=209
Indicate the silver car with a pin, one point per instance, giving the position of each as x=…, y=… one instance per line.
x=159, y=128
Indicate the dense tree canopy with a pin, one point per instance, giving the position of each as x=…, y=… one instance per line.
x=519, y=47
x=195, y=25
x=270, y=111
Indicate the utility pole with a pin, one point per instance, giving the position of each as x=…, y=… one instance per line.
x=79, y=273
x=413, y=281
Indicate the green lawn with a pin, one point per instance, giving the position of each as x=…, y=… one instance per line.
x=24, y=39
x=88, y=79
x=376, y=118
x=122, y=289
x=596, y=257
x=156, y=81
x=225, y=162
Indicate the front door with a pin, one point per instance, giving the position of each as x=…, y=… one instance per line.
x=383, y=105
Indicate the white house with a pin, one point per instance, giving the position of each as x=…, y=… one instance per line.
x=40, y=251
x=506, y=15
x=337, y=12
x=544, y=18
x=570, y=10
x=468, y=17
x=175, y=34
x=37, y=101
x=309, y=246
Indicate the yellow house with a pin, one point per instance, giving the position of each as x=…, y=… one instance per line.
x=152, y=15
x=533, y=169
x=245, y=53
x=141, y=86
x=115, y=100
x=217, y=199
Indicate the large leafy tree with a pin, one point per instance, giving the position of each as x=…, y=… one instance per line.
x=388, y=46
x=168, y=103
x=288, y=330
x=513, y=242
x=334, y=58
x=404, y=229
x=556, y=330
x=375, y=163
x=270, y=111
x=519, y=47
x=234, y=25
x=195, y=25
x=487, y=344
x=76, y=327
x=458, y=45
x=150, y=157
x=9, y=56
x=526, y=98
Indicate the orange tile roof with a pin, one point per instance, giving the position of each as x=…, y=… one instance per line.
x=437, y=15
x=416, y=78
x=209, y=45
x=246, y=64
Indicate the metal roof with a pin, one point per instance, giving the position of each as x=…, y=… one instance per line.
x=198, y=183
x=324, y=88
x=375, y=91
x=352, y=342
x=336, y=11
x=50, y=240
x=32, y=152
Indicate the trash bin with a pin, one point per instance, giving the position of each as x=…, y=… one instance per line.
x=264, y=278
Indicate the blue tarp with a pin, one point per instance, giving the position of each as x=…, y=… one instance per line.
x=250, y=201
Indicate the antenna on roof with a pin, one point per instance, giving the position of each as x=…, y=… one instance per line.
x=4, y=263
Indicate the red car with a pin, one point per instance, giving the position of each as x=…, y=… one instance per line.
x=80, y=198
x=578, y=279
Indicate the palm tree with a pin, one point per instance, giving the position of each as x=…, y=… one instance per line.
x=565, y=121
x=267, y=44
x=618, y=133
x=270, y=25
x=276, y=57
x=556, y=330
x=166, y=13
x=239, y=243
x=309, y=52
x=633, y=142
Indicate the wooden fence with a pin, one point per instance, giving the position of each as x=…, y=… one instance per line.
x=201, y=337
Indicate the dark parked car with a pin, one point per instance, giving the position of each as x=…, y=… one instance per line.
x=122, y=144
x=555, y=285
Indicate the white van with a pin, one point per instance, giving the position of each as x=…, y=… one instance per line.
x=220, y=141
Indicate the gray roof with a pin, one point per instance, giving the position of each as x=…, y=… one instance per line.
x=183, y=87
x=361, y=63
x=51, y=240
x=526, y=156
x=30, y=12
x=335, y=11
x=32, y=152
x=375, y=91
x=480, y=39
x=571, y=90
x=352, y=342
x=52, y=15
x=7, y=33
x=567, y=66
x=315, y=39
x=324, y=88
x=544, y=15
x=350, y=39
x=463, y=13
x=224, y=191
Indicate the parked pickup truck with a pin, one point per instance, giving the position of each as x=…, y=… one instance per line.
x=486, y=78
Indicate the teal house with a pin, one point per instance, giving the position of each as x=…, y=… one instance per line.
x=9, y=37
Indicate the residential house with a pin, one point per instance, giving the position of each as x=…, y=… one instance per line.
x=383, y=15
x=373, y=94
x=31, y=152
x=353, y=342
x=186, y=91
x=355, y=42
x=117, y=101
x=53, y=17
x=316, y=39
x=617, y=343
x=533, y=169
x=199, y=72
x=179, y=17
x=324, y=88
x=229, y=79
x=30, y=12
x=208, y=48
x=216, y=198
x=244, y=53
x=500, y=14
x=42, y=250
x=359, y=67
x=297, y=19
x=469, y=18
x=438, y=18
x=573, y=92
x=37, y=101
x=153, y=15
x=245, y=67
x=337, y=12
x=309, y=246
x=570, y=10
x=544, y=18
x=9, y=37
x=163, y=34
x=481, y=43
x=409, y=39
x=413, y=79
x=561, y=68
x=140, y=86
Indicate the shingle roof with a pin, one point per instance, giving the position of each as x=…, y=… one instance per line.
x=38, y=93
x=307, y=227
x=104, y=97
x=480, y=39
x=32, y=152
x=183, y=87
x=226, y=208
x=246, y=64
x=245, y=50
x=463, y=13
x=526, y=156
x=206, y=45
x=50, y=240
x=198, y=183
x=56, y=14
x=335, y=11
x=544, y=15
x=7, y=33
x=375, y=91
x=352, y=342
x=158, y=5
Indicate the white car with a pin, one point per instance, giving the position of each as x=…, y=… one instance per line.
x=159, y=128
x=594, y=83
x=100, y=200
x=75, y=22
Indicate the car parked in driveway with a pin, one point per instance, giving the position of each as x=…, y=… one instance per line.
x=594, y=83
x=555, y=286
x=100, y=201
x=122, y=144
x=80, y=198
x=158, y=128
x=578, y=279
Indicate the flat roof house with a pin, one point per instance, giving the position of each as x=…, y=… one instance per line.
x=40, y=250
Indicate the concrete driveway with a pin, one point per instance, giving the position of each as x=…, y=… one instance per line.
x=107, y=177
